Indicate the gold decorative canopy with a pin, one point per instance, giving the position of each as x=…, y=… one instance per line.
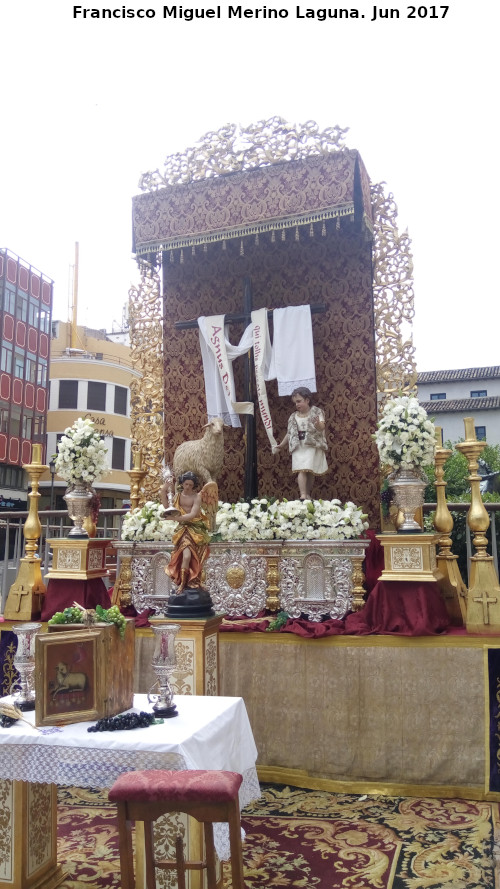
x=234, y=149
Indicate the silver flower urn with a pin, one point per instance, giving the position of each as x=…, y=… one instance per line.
x=78, y=499
x=408, y=487
x=24, y=662
x=164, y=663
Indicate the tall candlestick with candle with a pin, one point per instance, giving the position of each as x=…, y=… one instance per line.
x=24, y=601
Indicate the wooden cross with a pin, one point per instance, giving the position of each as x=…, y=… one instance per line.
x=485, y=601
x=251, y=480
x=19, y=592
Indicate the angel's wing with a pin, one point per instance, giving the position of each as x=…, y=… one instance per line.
x=210, y=501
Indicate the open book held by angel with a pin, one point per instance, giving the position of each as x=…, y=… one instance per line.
x=197, y=509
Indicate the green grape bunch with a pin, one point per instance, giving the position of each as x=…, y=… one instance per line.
x=112, y=615
x=68, y=616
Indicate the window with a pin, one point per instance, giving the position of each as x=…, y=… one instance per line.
x=31, y=369
x=478, y=393
x=68, y=394
x=33, y=313
x=438, y=396
x=21, y=308
x=44, y=320
x=96, y=397
x=6, y=359
x=12, y=477
x=4, y=417
x=10, y=298
x=19, y=365
x=15, y=420
x=27, y=425
x=120, y=400
x=38, y=426
x=118, y=454
x=41, y=376
x=480, y=433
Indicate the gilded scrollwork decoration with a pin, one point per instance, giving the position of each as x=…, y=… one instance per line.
x=146, y=392
x=234, y=148
x=393, y=299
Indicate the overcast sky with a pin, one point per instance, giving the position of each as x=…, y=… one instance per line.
x=89, y=104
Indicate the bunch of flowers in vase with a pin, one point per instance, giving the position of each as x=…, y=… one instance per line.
x=81, y=461
x=406, y=441
x=264, y=519
x=81, y=454
x=147, y=523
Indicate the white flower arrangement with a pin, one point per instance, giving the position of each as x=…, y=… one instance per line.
x=405, y=436
x=147, y=523
x=81, y=454
x=289, y=520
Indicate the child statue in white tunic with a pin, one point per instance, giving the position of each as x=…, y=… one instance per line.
x=306, y=441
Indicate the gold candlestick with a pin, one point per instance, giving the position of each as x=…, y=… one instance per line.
x=136, y=476
x=25, y=595
x=452, y=586
x=483, y=597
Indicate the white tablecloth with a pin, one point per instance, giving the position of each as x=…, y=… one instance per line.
x=209, y=733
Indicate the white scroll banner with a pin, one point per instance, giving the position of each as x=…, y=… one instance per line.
x=215, y=338
x=262, y=357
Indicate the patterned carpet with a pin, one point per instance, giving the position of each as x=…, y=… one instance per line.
x=307, y=839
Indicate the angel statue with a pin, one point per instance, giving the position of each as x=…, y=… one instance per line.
x=191, y=538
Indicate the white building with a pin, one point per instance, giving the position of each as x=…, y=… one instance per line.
x=450, y=395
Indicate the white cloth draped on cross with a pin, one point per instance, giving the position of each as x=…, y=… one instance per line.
x=290, y=360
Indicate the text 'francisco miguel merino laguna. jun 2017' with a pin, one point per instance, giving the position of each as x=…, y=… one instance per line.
x=372, y=13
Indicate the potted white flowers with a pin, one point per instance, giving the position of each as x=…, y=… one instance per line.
x=81, y=461
x=406, y=441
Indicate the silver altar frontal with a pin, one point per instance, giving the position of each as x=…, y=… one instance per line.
x=316, y=578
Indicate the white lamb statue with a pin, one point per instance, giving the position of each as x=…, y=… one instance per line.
x=204, y=456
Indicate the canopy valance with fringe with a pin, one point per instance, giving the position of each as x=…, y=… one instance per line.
x=271, y=199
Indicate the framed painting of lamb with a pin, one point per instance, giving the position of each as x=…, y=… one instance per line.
x=67, y=677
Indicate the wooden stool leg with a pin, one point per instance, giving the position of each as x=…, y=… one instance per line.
x=126, y=852
x=149, y=854
x=181, y=865
x=235, y=844
x=210, y=855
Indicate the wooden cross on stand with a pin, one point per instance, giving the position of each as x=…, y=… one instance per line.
x=245, y=317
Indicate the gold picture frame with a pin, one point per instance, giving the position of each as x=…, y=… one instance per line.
x=69, y=677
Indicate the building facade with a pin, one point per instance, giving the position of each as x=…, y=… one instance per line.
x=91, y=379
x=25, y=323
x=450, y=395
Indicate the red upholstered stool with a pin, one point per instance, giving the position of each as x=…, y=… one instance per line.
x=207, y=796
